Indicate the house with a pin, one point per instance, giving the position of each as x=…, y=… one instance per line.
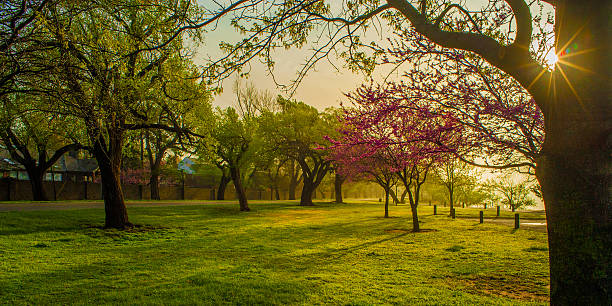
x=68, y=167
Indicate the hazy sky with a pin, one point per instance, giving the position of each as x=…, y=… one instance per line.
x=322, y=87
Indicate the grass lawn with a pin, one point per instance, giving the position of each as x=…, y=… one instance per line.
x=277, y=254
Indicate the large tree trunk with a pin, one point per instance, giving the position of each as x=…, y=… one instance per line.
x=240, y=192
x=114, y=206
x=222, y=186
x=338, y=180
x=36, y=182
x=109, y=163
x=574, y=166
x=307, y=190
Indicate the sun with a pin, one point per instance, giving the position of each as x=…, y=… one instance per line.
x=551, y=58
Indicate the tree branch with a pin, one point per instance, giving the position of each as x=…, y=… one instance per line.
x=484, y=45
x=354, y=21
x=454, y=5
x=523, y=23
x=191, y=27
x=58, y=153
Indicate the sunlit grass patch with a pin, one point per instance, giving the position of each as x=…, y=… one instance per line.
x=279, y=253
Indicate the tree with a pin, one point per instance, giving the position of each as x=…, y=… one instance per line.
x=190, y=105
x=514, y=194
x=235, y=148
x=21, y=54
x=298, y=131
x=381, y=121
x=31, y=142
x=573, y=98
x=354, y=161
x=102, y=78
x=452, y=174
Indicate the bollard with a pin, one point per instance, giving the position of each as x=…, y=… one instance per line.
x=452, y=212
x=435, y=210
x=498, y=210
x=481, y=217
x=516, y=221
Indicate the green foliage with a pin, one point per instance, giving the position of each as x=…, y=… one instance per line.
x=279, y=254
x=298, y=130
x=513, y=193
x=234, y=137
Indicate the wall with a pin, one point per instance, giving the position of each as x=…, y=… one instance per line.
x=16, y=190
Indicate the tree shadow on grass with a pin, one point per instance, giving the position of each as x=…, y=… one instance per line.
x=113, y=283
x=341, y=252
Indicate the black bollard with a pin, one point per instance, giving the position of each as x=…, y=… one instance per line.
x=435, y=210
x=516, y=221
x=481, y=217
x=498, y=210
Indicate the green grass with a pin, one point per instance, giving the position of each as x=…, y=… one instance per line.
x=472, y=212
x=277, y=254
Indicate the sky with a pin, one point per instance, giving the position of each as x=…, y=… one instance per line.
x=323, y=86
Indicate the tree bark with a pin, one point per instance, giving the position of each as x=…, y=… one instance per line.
x=240, y=192
x=222, y=186
x=403, y=197
x=307, y=190
x=277, y=193
x=36, y=182
x=338, y=180
x=387, y=190
x=109, y=163
x=154, y=183
x=393, y=196
x=415, y=218
x=114, y=206
x=451, y=194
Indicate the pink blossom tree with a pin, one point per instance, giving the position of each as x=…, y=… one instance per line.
x=402, y=134
x=503, y=126
x=355, y=162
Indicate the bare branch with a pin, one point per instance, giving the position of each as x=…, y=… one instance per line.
x=358, y=19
